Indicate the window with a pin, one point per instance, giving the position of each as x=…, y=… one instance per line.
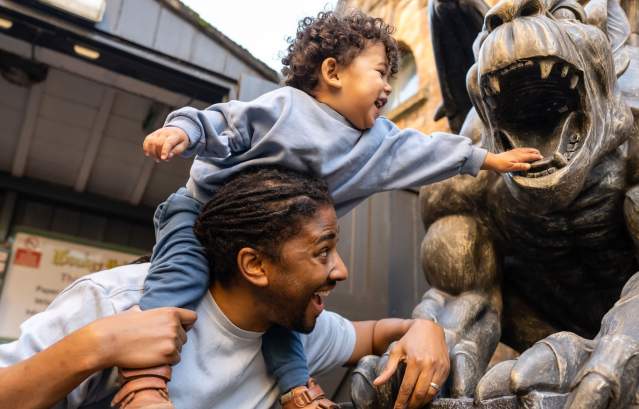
x=406, y=82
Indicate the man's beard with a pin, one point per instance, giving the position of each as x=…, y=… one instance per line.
x=290, y=311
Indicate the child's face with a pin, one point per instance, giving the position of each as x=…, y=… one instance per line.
x=365, y=87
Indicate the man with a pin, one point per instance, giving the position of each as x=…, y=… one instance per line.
x=271, y=237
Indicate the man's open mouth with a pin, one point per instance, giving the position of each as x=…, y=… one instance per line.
x=319, y=296
x=538, y=103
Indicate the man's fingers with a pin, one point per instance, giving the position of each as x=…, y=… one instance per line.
x=394, y=359
x=423, y=392
x=182, y=337
x=408, y=385
x=593, y=392
x=187, y=317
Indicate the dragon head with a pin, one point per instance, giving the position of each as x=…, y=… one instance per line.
x=545, y=76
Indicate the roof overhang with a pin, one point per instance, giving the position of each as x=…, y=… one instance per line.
x=66, y=36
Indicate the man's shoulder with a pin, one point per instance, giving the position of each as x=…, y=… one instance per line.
x=331, y=343
x=113, y=282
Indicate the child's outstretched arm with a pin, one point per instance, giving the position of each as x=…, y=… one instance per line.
x=408, y=158
x=514, y=160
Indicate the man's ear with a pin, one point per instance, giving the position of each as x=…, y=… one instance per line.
x=250, y=263
x=329, y=72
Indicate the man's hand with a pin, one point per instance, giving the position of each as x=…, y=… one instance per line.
x=165, y=143
x=513, y=160
x=140, y=339
x=423, y=349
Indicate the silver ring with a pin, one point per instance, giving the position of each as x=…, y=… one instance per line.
x=435, y=386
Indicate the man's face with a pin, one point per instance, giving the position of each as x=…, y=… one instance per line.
x=308, y=269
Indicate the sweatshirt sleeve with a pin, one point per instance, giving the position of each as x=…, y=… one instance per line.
x=227, y=129
x=406, y=158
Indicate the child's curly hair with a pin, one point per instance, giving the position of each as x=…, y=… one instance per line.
x=340, y=37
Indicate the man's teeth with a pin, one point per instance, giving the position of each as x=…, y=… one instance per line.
x=322, y=293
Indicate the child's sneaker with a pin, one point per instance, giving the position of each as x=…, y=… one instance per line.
x=309, y=397
x=144, y=389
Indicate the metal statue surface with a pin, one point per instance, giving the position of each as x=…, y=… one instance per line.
x=544, y=261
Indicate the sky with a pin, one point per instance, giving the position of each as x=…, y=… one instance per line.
x=257, y=25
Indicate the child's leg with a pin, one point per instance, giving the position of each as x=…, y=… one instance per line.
x=285, y=359
x=178, y=277
x=179, y=272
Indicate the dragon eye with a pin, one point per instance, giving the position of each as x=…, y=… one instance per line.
x=564, y=13
x=568, y=10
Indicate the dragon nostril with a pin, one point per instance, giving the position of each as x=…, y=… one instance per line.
x=531, y=8
x=493, y=21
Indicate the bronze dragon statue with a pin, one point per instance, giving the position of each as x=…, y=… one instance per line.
x=546, y=260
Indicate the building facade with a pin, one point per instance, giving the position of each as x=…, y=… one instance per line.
x=81, y=83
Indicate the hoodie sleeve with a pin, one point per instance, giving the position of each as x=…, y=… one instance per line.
x=229, y=128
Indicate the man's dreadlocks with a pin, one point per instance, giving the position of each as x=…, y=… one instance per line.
x=260, y=208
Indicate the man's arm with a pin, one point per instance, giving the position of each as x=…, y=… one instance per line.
x=420, y=344
x=132, y=339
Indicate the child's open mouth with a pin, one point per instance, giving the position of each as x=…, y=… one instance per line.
x=380, y=102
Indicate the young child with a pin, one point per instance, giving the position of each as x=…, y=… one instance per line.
x=326, y=121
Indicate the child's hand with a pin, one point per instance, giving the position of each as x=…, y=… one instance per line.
x=511, y=161
x=166, y=143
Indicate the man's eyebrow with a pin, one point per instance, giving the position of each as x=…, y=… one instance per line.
x=326, y=237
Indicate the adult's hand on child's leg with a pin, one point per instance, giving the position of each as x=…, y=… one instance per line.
x=141, y=339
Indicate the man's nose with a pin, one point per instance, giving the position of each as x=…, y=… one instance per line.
x=507, y=10
x=340, y=271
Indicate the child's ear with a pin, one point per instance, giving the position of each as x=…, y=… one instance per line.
x=250, y=263
x=330, y=73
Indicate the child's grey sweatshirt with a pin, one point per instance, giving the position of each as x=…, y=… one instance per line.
x=288, y=127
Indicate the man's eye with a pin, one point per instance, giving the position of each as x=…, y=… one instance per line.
x=382, y=73
x=323, y=253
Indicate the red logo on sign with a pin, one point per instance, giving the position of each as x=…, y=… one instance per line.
x=27, y=258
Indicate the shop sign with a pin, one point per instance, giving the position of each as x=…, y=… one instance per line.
x=40, y=267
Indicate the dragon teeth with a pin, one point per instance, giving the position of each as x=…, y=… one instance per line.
x=564, y=71
x=574, y=80
x=493, y=83
x=560, y=159
x=545, y=66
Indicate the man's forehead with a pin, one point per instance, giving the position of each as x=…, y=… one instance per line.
x=322, y=226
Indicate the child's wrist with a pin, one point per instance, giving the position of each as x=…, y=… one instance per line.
x=488, y=161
